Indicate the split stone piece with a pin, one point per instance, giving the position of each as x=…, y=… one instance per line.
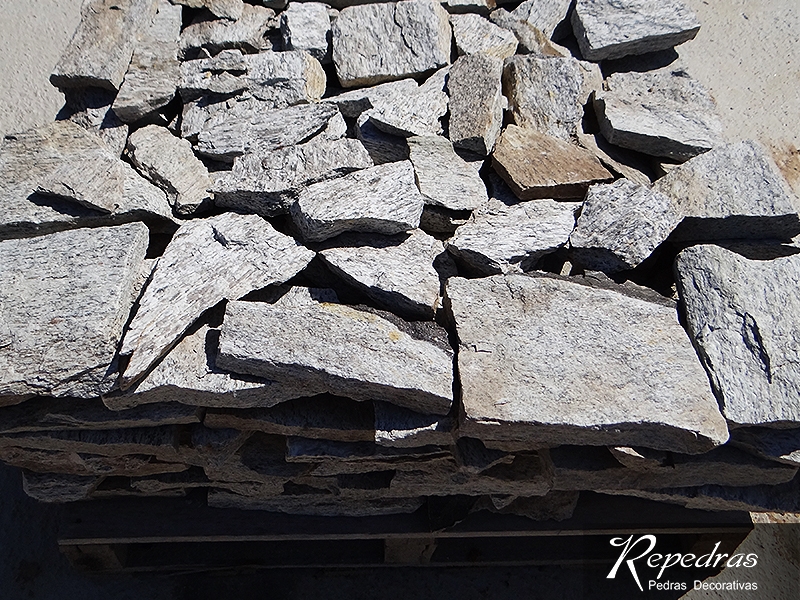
x=548, y=94
x=475, y=34
x=169, y=162
x=247, y=32
x=350, y=352
x=733, y=191
x=415, y=113
x=443, y=177
x=623, y=162
x=224, y=9
x=550, y=361
x=101, y=48
x=380, y=42
x=300, y=449
x=49, y=487
x=307, y=26
x=83, y=464
x=267, y=183
x=317, y=505
x=208, y=260
x=545, y=15
x=531, y=40
x=476, y=102
x=382, y=147
x=383, y=199
x=91, y=109
x=355, y=102
x=503, y=239
x=396, y=272
x=743, y=316
x=536, y=165
x=781, y=445
x=615, y=28
x=621, y=224
x=661, y=113
x=397, y=427
x=153, y=75
x=65, y=300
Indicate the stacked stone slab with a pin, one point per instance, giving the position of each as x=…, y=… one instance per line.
x=254, y=286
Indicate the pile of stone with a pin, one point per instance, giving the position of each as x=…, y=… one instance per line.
x=341, y=259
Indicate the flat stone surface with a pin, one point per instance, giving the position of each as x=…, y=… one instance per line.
x=382, y=147
x=153, y=75
x=170, y=163
x=476, y=102
x=307, y=26
x=383, y=199
x=545, y=15
x=621, y=224
x=267, y=183
x=355, y=102
x=608, y=29
x=475, y=34
x=417, y=112
x=65, y=300
x=49, y=487
x=444, y=177
x=661, y=113
x=732, y=191
x=536, y=165
x=373, y=43
x=246, y=32
x=501, y=239
x=396, y=272
x=208, y=260
x=620, y=161
x=101, y=48
x=781, y=445
x=562, y=363
x=397, y=427
x=531, y=40
x=91, y=109
x=83, y=464
x=325, y=344
x=743, y=316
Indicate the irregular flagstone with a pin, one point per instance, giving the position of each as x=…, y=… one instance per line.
x=612, y=28
x=224, y=9
x=100, y=51
x=473, y=457
x=743, y=317
x=300, y=449
x=661, y=113
x=397, y=272
x=545, y=15
x=732, y=191
x=357, y=101
x=247, y=32
x=208, y=260
x=383, y=199
x=476, y=102
x=781, y=445
x=536, y=165
x=398, y=427
x=621, y=224
x=443, y=177
x=169, y=162
x=500, y=239
x=91, y=109
x=49, y=487
x=323, y=506
x=380, y=42
x=328, y=349
x=417, y=112
x=153, y=75
x=73, y=463
x=65, y=300
x=531, y=39
x=382, y=147
x=561, y=363
x=475, y=34
x=620, y=161
x=267, y=183
x=307, y=26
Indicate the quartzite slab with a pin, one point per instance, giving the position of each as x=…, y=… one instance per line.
x=207, y=260
x=73, y=463
x=307, y=26
x=398, y=427
x=49, y=487
x=531, y=40
x=545, y=15
x=417, y=112
x=781, y=445
x=350, y=352
x=246, y=32
x=63, y=304
x=476, y=102
x=563, y=363
x=475, y=34
x=357, y=101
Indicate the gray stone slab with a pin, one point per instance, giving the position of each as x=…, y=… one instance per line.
x=382, y=147
x=307, y=26
x=355, y=102
x=397, y=427
x=247, y=32
x=307, y=450
x=620, y=161
x=49, y=487
x=554, y=506
x=781, y=445
x=83, y=464
x=545, y=15
x=324, y=345
x=550, y=361
x=531, y=40
x=475, y=34
x=325, y=506
x=417, y=112
x=476, y=102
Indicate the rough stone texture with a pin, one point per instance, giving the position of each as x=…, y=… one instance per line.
x=382, y=147
x=250, y=126
x=208, y=260
x=502, y=239
x=383, y=199
x=355, y=102
x=414, y=113
x=661, y=113
x=561, y=363
x=545, y=15
x=621, y=224
x=267, y=183
x=83, y=464
x=476, y=102
x=224, y=9
x=153, y=75
x=91, y=109
x=548, y=94
x=48, y=487
x=536, y=165
x=531, y=40
x=615, y=28
x=307, y=26
x=101, y=48
x=620, y=161
x=247, y=32
x=779, y=445
x=169, y=162
x=380, y=42
x=733, y=191
x=475, y=34
x=398, y=427
x=396, y=272
x=443, y=177
x=319, y=505
x=743, y=316
x=348, y=351
x=65, y=299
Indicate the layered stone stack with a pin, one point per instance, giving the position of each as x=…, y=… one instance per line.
x=338, y=260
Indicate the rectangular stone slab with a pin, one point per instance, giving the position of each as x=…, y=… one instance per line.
x=74, y=463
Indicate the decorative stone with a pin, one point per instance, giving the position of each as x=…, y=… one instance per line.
x=307, y=26
x=91, y=109
x=414, y=113
x=398, y=427
x=781, y=445
x=49, y=487
x=358, y=101
x=476, y=102
x=475, y=34
x=531, y=40
x=247, y=32
x=620, y=161
x=83, y=464
x=545, y=15
x=382, y=147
